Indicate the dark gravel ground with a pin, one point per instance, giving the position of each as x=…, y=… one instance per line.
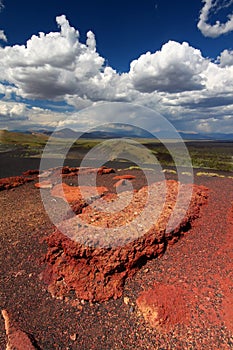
x=203, y=259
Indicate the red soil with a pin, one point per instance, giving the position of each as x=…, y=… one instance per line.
x=196, y=288
x=165, y=306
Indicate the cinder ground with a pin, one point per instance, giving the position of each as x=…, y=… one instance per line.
x=200, y=263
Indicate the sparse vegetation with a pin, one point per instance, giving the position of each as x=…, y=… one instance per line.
x=186, y=173
x=169, y=171
x=204, y=154
x=202, y=173
x=22, y=139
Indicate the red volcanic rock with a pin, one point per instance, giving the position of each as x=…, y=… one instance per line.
x=71, y=174
x=94, y=252
x=69, y=171
x=87, y=170
x=45, y=173
x=65, y=170
x=165, y=306
x=31, y=172
x=119, y=183
x=16, y=338
x=44, y=184
x=14, y=181
x=124, y=177
x=104, y=170
x=75, y=193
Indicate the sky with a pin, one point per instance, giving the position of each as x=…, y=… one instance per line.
x=59, y=57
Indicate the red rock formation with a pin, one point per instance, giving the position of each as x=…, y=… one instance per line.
x=87, y=170
x=75, y=193
x=103, y=170
x=14, y=181
x=119, y=183
x=31, y=172
x=44, y=184
x=71, y=171
x=94, y=261
x=124, y=177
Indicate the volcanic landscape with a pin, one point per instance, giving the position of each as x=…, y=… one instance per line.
x=156, y=290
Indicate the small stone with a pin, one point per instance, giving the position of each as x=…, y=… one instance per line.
x=146, y=270
x=73, y=336
x=131, y=309
x=126, y=300
x=219, y=295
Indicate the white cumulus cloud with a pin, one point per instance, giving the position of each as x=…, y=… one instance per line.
x=2, y=35
x=177, y=67
x=1, y=5
x=176, y=81
x=52, y=65
x=217, y=29
x=226, y=58
x=12, y=110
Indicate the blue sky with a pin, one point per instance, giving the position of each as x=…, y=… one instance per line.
x=124, y=29
x=174, y=57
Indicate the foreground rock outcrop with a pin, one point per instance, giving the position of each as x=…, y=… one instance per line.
x=8, y=183
x=93, y=253
x=14, y=181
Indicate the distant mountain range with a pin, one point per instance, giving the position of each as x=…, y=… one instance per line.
x=96, y=134
x=124, y=132
x=213, y=137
